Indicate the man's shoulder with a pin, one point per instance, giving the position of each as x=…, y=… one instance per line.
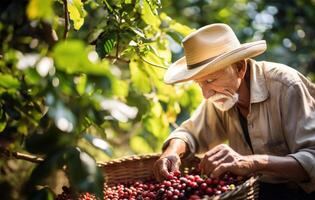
x=279, y=72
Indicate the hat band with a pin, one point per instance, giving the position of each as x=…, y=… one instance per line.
x=193, y=66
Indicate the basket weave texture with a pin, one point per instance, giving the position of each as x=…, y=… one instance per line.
x=140, y=167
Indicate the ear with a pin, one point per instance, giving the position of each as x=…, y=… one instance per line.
x=241, y=67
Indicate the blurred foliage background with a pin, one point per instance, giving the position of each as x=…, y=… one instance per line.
x=81, y=81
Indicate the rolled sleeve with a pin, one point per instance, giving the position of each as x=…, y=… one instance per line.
x=199, y=131
x=307, y=161
x=186, y=137
x=299, y=125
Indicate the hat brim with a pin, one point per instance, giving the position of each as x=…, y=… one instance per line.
x=178, y=71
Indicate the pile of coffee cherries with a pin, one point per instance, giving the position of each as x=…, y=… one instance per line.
x=176, y=186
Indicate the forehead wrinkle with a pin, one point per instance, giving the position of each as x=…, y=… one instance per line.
x=213, y=76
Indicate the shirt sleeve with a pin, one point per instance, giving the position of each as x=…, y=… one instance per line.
x=201, y=131
x=299, y=124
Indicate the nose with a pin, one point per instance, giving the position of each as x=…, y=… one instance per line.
x=207, y=92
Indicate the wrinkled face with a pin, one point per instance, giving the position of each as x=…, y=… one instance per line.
x=221, y=87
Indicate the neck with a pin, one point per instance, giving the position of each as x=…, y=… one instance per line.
x=244, y=95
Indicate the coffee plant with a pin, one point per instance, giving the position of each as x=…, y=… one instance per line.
x=81, y=80
x=76, y=74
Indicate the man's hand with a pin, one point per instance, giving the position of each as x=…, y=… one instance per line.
x=169, y=161
x=222, y=159
x=165, y=164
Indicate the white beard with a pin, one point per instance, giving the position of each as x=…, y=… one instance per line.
x=227, y=104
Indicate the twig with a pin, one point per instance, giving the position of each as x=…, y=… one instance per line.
x=117, y=46
x=22, y=156
x=118, y=59
x=27, y=157
x=153, y=64
x=66, y=16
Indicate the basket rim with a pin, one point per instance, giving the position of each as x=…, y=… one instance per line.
x=128, y=158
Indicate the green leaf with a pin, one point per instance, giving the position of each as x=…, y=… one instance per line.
x=152, y=57
x=173, y=109
x=38, y=9
x=76, y=12
x=137, y=99
x=176, y=36
x=109, y=45
x=108, y=6
x=72, y=57
x=84, y=175
x=191, y=98
x=140, y=145
x=32, y=76
x=139, y=79
x=157, y=126
x=80, y=82
x=182, y=29
x=9, y=82
x=43, y=194
x=105, y=44
x=148, y=16
x=137, y=31
x=22, y=128
x=45, y=168
x=156, y=121
x=65, y=120
x=99, y=143
x=120, y=88
x=3, y=122
x=37, y=143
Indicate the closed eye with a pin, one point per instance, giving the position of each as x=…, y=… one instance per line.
x=209, y=80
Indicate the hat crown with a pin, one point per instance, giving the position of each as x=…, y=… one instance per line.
x=209, y=42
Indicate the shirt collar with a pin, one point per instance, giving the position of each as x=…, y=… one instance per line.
x=258, y=88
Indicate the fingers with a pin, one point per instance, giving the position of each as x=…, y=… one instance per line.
x=212, y=160
x=213, y=163
x=215, y=157
x=164, y=166
x=161, y=169
x=203, y=164
x=221, y=169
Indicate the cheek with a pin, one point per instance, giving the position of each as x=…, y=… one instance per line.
x=205, y=91
x=231, y=86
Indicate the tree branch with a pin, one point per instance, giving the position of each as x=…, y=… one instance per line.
x=117, y=46
x=49, y=34
x=21, y=156
x=66, y=16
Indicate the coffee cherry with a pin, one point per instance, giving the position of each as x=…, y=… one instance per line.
x=189, y=186
x=203, y=186
x=177, y=173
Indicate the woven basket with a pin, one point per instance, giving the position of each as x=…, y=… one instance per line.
x=135, y=168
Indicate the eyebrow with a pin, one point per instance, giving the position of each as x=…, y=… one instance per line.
x=204, y=79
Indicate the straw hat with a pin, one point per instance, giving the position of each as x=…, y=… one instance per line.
x=209, y=49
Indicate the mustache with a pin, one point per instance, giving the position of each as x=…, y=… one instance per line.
x=218, y=96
